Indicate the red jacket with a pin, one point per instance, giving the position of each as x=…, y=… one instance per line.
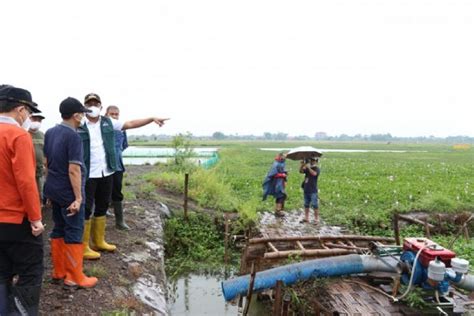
x=19, y=197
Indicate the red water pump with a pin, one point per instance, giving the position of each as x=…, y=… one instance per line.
x=430, y=252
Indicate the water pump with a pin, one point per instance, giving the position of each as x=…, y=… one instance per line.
x=430, y=266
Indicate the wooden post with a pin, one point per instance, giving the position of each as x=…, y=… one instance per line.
x=226, y=239
x=466, y=233
x=427, y=228
x=286, y=304
x=250, y=291
x=186, y=181
x=278, y=299
x=396, y=228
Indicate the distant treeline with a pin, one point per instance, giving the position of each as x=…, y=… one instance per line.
x=320, y=136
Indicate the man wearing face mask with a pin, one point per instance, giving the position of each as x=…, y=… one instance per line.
x=98, y=139
x=38, y=142
x=65, y=181
x=21, y=242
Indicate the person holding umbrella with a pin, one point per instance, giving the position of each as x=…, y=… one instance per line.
x=310, y=187
x=274, y=184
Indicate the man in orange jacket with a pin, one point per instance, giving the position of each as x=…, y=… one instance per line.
x=21, y=241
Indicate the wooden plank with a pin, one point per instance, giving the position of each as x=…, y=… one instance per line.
x=277, y=304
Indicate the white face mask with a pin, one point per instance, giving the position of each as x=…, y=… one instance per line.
x=26, y=124
x=95, y=111
x=34, y=126
x=83, y=120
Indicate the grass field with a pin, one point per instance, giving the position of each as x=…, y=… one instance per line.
x=357, y=190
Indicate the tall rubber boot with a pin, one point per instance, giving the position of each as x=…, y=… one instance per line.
x=74, y=276
x=89, y=254
x=118, y=210
x=57, y=255
x=98, y=235
x=4, y=302
x=25, y=300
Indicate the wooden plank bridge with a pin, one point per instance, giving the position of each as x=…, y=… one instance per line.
x=280, y=240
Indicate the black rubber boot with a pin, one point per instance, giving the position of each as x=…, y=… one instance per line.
x=118, y=210
x=25, y=300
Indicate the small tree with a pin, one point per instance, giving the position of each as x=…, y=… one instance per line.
x=181, y=144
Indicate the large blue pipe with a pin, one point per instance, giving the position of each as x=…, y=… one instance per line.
x=317, y=268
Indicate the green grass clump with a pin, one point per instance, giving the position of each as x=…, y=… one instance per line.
x=193, y=245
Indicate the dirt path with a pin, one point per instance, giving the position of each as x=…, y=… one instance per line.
x=291, y=225
x=130, y=279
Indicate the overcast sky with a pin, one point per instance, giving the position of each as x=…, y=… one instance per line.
x=248, y=67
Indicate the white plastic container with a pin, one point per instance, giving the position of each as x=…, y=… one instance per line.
x=460, y=265
x=436, y=271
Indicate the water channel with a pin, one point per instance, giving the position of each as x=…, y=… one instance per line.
x=197, y=294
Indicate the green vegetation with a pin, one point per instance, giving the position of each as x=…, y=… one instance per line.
x=193, y=245
x=360, y=190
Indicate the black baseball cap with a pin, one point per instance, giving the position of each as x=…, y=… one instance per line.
x=92, y=96
x=71, y=106
x=18, y=95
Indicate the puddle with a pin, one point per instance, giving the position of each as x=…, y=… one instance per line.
x=196, y=294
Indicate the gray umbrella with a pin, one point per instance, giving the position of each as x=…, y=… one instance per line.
x=303, y=152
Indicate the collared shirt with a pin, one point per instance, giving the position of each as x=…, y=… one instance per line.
x=62, y=147
x=98, y=168
x=8, y=120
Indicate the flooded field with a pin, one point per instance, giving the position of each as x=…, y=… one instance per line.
x=145, y=155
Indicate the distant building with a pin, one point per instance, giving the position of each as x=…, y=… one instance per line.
x=320, y=135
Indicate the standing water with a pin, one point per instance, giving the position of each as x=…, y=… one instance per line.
x=197, y=294
x=136, y=155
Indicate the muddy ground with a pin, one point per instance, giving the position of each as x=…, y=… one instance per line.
x=135, y=270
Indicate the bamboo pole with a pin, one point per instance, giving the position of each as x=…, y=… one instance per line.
x=300, y=245
x=308, y=253
x=263, y=240
x=250, y=291
x=331, y=245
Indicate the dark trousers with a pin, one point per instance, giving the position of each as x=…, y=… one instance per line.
x=117, y=195
x=70, y=228
x=21, y=255
x=98, y=191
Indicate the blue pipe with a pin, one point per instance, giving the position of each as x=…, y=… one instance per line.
x=317, y=268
